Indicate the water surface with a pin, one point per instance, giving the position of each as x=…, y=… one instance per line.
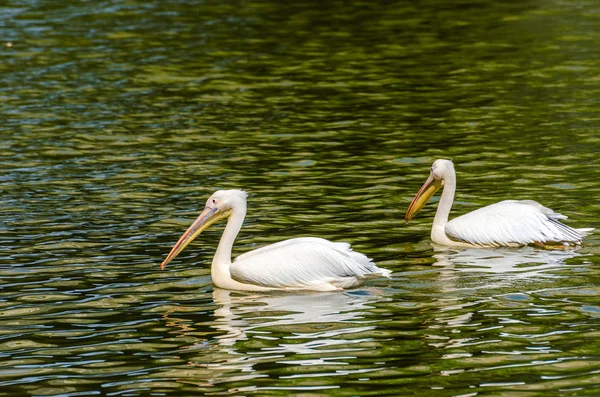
x=120, y=118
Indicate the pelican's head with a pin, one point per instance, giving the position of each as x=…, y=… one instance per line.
x=440, y=170
x=220, y=205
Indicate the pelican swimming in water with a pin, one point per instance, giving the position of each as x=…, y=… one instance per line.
x=306, y=263
x=509, y=223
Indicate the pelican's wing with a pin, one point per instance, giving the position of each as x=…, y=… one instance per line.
x=305, y=262
x=512, y=223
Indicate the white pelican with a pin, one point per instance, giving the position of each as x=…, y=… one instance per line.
x=509, y=223
x=307, y=263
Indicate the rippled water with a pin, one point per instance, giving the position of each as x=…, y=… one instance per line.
x=119, y=118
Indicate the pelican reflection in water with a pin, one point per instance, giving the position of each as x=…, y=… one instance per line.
x=306, y=263
x=307, y=330
x=301, y=313
x=509, y=223
x=521, y=263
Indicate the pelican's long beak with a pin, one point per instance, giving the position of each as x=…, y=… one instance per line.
x=206, y=218
x=427, y=190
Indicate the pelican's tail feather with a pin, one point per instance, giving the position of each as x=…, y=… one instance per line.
x=586, y=230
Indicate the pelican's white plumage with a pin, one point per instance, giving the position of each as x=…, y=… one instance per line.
x=307, y=263
x=509, y=223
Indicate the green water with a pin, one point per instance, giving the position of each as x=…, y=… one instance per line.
x=119, y=118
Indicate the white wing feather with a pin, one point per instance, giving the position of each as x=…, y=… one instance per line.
x=305, y=262
x=512, y=223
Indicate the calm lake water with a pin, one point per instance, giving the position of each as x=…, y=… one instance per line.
x=119, y=119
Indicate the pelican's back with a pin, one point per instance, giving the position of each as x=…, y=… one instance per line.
x=512, y=223
x=305, y=263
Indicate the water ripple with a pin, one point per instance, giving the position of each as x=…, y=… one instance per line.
x=120, y=119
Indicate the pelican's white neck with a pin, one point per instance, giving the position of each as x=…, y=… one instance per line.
x=222, y=258
x=438, y=232
x=220, y=270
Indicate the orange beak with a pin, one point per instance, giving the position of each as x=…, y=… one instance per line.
x=204, y=220
x=429, y=188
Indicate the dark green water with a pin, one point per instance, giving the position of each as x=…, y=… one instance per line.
x=119, y=118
